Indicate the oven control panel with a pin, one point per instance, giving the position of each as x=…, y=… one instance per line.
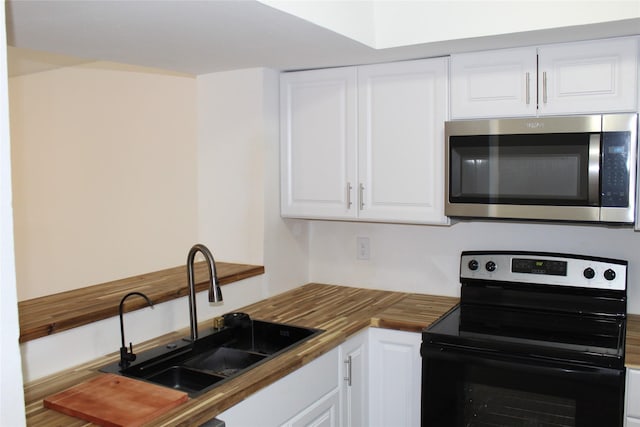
x=545, y=268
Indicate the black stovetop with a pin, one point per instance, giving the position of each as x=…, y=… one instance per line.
x=538, y=305
x=587, y=340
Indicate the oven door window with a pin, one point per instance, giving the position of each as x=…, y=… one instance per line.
x=462, y=390
x=548, y=169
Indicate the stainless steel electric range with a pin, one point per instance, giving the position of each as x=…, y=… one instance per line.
x=537, y=340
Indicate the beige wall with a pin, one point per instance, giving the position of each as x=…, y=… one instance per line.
x=236, y=207
x=104, y=175
x=231, y=145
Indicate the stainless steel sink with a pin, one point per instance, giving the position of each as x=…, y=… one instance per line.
x=221, y=354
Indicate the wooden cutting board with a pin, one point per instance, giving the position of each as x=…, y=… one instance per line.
x=112, y=400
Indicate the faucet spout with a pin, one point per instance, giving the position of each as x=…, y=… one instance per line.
x=215, y=294
x=126, y=354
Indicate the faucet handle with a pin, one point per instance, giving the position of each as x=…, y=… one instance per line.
x=126, y=355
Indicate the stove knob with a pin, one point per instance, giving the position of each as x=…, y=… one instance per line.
x=473, y=265
x=490, y=266
x=609, y=274
x=589, y=273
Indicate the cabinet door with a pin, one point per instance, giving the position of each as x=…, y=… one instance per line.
x=499, y=83
x=355, y=396
x=588, y=77
x=395, y=378
x=632, y=422
x=401, y=112
x=324, y=413
x=632, y=395
x=290, y=397
x=318, y=143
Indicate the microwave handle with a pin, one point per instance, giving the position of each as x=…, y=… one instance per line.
x=594, y=169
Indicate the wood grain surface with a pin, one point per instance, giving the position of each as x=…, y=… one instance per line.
x=632, y=351
x=114, y=401
x=340, y=311
x=50, y=314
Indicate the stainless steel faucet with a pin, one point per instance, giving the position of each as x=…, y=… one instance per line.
x=215, y=294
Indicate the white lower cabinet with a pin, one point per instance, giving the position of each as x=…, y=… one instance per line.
x=324, y=413
x=395, y=369
x=632, y=397
x=355, y=377
x=373, y=379
x=293, y=400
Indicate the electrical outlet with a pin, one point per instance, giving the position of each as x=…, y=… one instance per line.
x=364, y=250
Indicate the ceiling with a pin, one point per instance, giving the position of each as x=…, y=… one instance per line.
x=204, y=36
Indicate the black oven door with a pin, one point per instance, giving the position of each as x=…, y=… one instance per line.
x=470, y=387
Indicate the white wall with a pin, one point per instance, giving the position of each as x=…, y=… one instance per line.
x=239, y=177
x=384, y=24
x=425, y=259
x=286, y=241
x=104, y=175
x=12, y=411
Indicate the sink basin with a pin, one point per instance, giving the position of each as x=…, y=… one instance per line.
x=268, y=338
x=222, y=354
x=184, y=379
x=224, y=361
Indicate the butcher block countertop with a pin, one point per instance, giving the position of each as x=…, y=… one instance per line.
x=632, y=350
x=50, y=314
x=340, y=311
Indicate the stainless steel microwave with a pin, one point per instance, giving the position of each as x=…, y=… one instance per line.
x=573, y=168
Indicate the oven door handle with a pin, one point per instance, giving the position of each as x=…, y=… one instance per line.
x=529, y=365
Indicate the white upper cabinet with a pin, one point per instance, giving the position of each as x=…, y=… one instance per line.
x=365, y=143
x=571, y=78
x=499, y=83
x=318, y=143
x=588, y=77
x=401, y=114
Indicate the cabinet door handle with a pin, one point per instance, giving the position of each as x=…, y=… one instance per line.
x=349, y=188
x=544, y=87
x=361, y=196
x=347, y=378
x=528, y=90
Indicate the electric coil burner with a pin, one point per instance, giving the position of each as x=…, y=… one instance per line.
x=537, y=340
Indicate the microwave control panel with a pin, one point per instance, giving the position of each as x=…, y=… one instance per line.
x=614, y=187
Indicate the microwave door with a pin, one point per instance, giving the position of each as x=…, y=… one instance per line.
x=535, y=176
